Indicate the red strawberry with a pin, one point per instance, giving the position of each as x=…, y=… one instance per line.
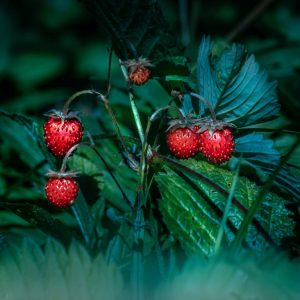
x=139, y=75
x=217, y=145
x=182, y=142
x=61, y=191
x=61, y=134
x=138, y=70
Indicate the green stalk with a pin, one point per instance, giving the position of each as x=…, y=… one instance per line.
x=137, y=276
x=227, y=208
x=73, y=97
x=134, y=109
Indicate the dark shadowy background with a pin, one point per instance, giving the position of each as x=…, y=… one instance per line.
x=51, y=48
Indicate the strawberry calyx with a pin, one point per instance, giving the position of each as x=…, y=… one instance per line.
x=132, y=64
x=57, y=114
x=212, y=125
x=188, y=121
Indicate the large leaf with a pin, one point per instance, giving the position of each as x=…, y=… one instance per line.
x=191, y=209
x=235, y=86
x=259, y=154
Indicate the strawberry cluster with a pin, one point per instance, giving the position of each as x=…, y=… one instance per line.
x=214, y=139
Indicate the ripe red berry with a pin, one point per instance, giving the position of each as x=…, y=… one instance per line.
x=139, y=75
x=61, y=134
x=217, y=146
x=182, y=142
x=61, y=191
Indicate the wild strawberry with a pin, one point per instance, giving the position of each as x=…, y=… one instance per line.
x=216, y=144
x=62, y=133
x=138, y=70
x=61, y=190
x=182, y=142
x=139, y=75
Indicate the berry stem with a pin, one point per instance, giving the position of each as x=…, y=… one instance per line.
x=109, y=72
x=73, y=97
x=227, y=208
x=134, y=109
x=154, y=115
x=207, y=103
x=113, y=117
x=64, y=163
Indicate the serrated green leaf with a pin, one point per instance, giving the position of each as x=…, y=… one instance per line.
x=233, y=83
x=191, y=207
x=260, y=155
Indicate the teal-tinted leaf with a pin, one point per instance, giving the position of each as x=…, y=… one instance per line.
x=260, y=155
x=234, y=84
x=192, y=209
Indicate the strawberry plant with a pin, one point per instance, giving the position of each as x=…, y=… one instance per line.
x=129, y=160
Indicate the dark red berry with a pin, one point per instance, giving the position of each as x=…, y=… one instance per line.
x=61, y=191
x=139, y=75
x=182, y=142
x=217, y=146
x=61, y=134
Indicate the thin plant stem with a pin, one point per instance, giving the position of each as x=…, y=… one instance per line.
x=168, y=107
x=207, y=103
x=138, y=269
x=227, y=208
x=109, y=72
x=134, y=109
x=161, y=124
x=113, y=117
x=69, y=153
x=257, y=10
x=73, y=97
